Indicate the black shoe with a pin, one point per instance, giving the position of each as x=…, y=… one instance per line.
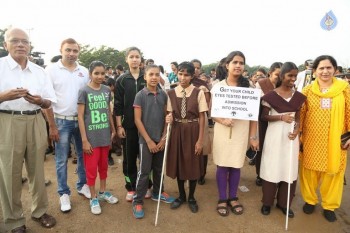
x=265, y=210
x=258, y=181
x=177, y=203
x=308, y=208
x=201, y=181
x=210, y=123
x=49, y=150
x=110, y=161
x=118, y=152
x=252, y=162
x=284, y=211
x=47, y=182
x=192, y=204
x=21, y=229
x=330, y=215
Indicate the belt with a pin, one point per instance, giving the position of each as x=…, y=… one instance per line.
x=33, y=112
x=70, y=118
x=186, y=120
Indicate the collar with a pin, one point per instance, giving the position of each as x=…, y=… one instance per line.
x=61, y=66
x=187, y=89
x=148, y=92
x=13, y=64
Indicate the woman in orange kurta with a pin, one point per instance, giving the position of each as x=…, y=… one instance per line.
x=324, y=118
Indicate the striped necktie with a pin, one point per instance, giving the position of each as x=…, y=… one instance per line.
x=183, y=104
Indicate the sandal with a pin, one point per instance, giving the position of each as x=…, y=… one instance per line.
x=236, y=208
x=46, y=220
x=222, y=209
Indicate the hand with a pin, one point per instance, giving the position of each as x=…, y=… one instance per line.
x=34, y=99
x=254, y=144
x=228, y=122
x=152, y=146
x=54, y=134
x=87, y=148
x=346, y=146
x=288, y=118
x=161, y=145
x=121, y=132
x=113, y=135
x=198, y=148
x=293, y=135
x=169, y=118
x=13, y=94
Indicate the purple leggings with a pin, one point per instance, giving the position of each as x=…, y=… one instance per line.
x=228, y=175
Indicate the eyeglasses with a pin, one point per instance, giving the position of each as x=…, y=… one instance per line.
x=18, y=41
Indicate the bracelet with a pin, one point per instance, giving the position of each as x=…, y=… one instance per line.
x=119, y=126
x=281, y=117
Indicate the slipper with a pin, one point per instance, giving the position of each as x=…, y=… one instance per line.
x=234, y=208
x=222, y=210
x=46, y=220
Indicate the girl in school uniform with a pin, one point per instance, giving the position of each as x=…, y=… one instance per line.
x=188, y=106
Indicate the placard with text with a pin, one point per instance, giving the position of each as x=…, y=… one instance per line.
x=235, y=102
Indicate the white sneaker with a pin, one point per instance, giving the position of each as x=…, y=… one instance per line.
x=130, y=196
x=148, y=194
x=85, y=191
x=65, y=203
x=108, y=197
x=95, y=206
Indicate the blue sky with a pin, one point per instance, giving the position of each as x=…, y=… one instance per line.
x=265, y=31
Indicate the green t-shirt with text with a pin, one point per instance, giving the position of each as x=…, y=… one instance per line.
x=96, y=115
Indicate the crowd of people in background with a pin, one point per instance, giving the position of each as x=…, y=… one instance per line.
x=303, y=126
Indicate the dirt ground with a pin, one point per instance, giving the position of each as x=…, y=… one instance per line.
x=119, y=218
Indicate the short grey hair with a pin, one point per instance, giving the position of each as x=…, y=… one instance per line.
x=8, y=32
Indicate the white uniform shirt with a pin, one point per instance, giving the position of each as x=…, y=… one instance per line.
x=67, y=84
x=299, y=83
x=33, y=78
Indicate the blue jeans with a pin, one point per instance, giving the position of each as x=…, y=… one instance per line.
x=67, y=130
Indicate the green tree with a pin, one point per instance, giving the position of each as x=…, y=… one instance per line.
x=108, y=55
x=3, y=52
x=207, y=68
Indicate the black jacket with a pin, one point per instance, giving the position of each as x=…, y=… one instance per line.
x=124, y=94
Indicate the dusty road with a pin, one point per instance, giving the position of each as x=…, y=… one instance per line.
x=119, y=218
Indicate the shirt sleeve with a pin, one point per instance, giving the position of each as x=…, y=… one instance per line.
x=82, y=96
x=202, y=103
x=48, y=91
x=119, y=97
x=266, y=104
x=204, y=89
x=169, y=108
x=137, y=100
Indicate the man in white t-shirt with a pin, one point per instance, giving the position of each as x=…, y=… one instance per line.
x=299, y=83
x=67, y=77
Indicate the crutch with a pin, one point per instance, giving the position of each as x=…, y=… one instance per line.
x=289, y=171
x=161, y=178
